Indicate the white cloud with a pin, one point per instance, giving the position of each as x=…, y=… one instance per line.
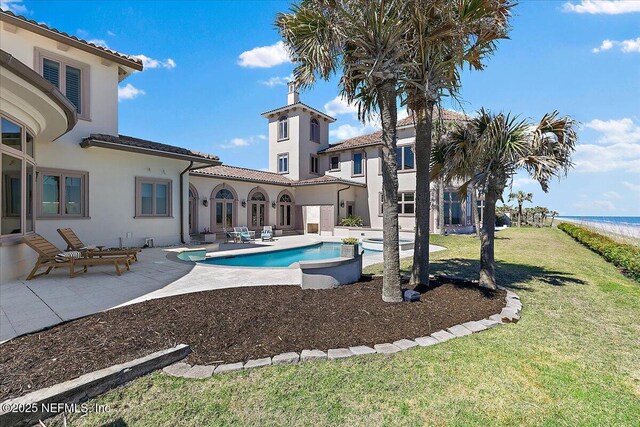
x=598, y=158
x=129, y=92
x=605, y=7
x=111, y=33
x=605, y=45
x=339, y=105
x=243, y=142
x=99, y=42
x=616, y=131
x=347, y=131
x=631, y=186
x=276, y=81
x=264, y=56
x=626, y=46
x=611, y=195
x=150, y=63
x=14, y=6
x=595, y=205
x=523, y=182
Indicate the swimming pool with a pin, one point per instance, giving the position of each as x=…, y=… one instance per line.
x=279, y=258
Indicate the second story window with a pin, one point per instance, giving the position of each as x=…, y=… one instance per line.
x=405, y=158
x=71, y=77
x=283, y=128
x=315, y=130
x=334, y=163
x=283, y=163
x=313, y=167
x=358, y=164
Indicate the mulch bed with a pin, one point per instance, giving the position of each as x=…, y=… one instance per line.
x=232, y=325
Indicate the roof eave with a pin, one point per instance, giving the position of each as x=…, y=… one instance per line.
x=234, y=178
x=303, y=107
x=30, y=26
x=91, y=142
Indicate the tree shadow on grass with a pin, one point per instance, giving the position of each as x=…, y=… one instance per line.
x=115, y=423
x=507, y=274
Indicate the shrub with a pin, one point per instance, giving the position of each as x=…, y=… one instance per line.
x=351, y=221
x=622, y=255
x=350, y=241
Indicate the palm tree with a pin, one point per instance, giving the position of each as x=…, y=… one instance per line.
x=364, y=42
x=553, y=215
x=491, y=149
x=443, y=38
x=521, y=197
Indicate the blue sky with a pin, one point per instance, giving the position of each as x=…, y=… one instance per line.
x=206, y=83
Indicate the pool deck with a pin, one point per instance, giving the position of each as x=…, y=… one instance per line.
x=28, y=306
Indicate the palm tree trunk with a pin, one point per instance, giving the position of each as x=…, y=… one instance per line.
x=474, y=207
x=552, y=217
x=519, y=213
x=424, y=127
x=487, y=237
x=391, y=290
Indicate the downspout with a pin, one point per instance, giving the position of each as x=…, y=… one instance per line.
x=182, y=201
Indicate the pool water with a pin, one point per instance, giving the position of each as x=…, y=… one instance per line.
x=280, y=258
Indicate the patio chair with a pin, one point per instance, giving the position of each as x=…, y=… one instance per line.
x=267, y=233
x=231, y=236
x=243, y=234
x=50, y=257
x=75, y=244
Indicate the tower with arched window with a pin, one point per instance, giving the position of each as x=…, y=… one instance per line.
x=296, y=133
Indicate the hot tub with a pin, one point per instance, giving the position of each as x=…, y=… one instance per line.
x=375, y=244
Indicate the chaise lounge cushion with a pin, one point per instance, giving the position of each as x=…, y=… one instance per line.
x=66, y=256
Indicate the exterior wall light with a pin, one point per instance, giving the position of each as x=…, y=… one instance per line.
x=273, y=205
x=244, y=203
x=205, y=202
x=342, y=203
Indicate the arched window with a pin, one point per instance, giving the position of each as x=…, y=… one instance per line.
x=224, y=194
x=283, y=127
x=285, y=210
x=258, y=196
x=315, y=130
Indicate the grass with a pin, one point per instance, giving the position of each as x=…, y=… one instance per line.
x=573, y=359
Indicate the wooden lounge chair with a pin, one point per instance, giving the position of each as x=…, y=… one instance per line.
x=47, y=253
x=75, y=244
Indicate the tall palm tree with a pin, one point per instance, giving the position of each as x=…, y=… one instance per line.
x=491, y=149
x=364, y=43
x=520, y=197
x=553, y=215
x=443, y=37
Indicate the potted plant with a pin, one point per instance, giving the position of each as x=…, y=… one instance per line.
x=208, y=235
x=349, y=248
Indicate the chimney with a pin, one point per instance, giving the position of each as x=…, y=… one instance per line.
x=293, y=97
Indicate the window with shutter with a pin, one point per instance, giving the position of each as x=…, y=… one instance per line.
x=51, y=72
x=72, y=86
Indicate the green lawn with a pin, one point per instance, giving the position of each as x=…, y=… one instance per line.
x=573, y=359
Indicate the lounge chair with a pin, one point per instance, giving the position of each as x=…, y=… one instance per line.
x=50, y=257
x=244, y=235
x=231, y=236
x=75, y=244
x=267, y=233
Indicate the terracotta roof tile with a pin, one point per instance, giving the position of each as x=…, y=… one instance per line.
x=326, y=179
x=8, y=13
x=244, y=174
x=129, y=141
x=375, y=137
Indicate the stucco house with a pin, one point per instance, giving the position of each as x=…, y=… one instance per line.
x=64, y=163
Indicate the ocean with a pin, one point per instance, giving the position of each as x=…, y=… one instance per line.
x=633, y=221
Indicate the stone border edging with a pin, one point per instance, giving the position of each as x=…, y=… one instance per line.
x=510, y=313
x=85, y=387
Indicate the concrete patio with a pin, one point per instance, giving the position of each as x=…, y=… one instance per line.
x=28, y=306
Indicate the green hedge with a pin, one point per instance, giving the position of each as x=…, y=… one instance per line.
x=622, y=255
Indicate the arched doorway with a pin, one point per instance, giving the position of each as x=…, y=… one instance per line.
x=194, y=200
x=258, y=209
x=223, y=208
x=285, y=210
